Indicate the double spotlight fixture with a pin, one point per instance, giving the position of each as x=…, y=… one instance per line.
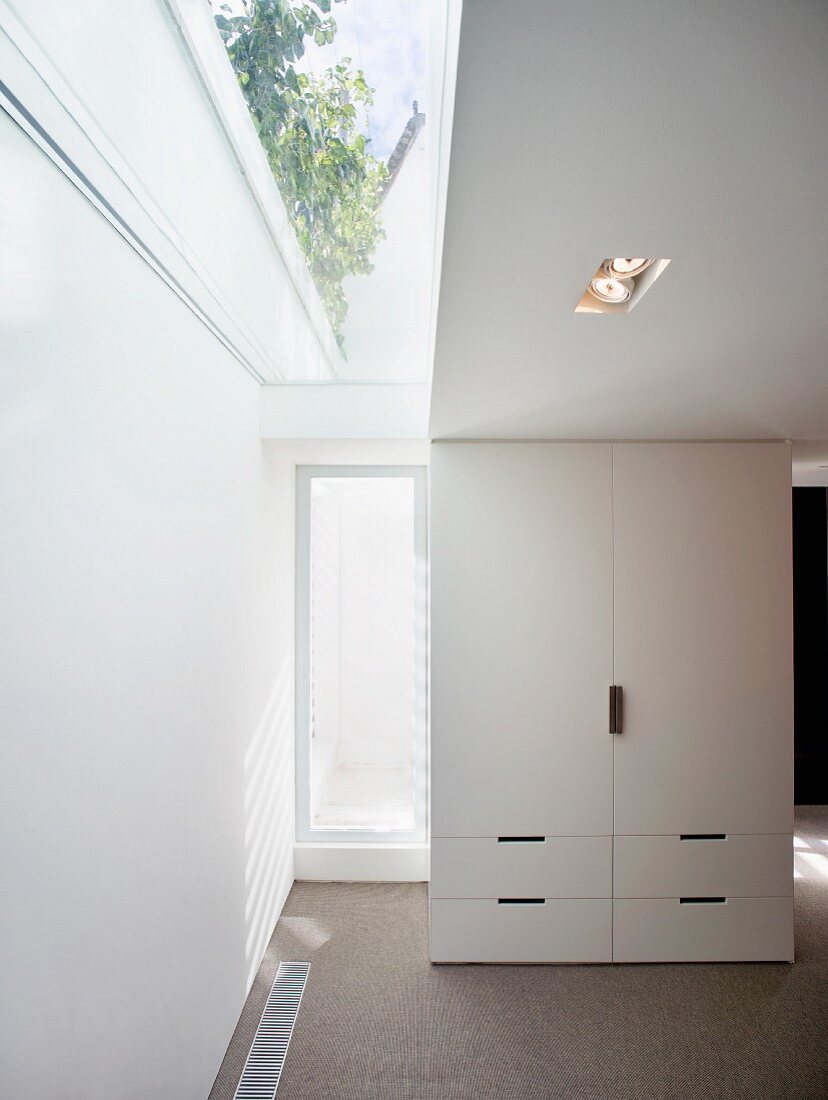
x=618, y=284
x=613, y=284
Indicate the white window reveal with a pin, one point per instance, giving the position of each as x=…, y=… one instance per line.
x=361, y=654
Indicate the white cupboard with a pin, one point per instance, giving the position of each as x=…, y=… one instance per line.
x=557, y=571
x=521, y=639
x=703, y=643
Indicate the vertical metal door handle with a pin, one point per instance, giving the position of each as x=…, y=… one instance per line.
x=616, y=708
x=613, y=690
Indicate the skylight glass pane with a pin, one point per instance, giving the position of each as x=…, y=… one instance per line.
x=338, y=92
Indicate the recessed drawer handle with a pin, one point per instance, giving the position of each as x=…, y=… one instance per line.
x=703, y=901
x=521, y=901
x=521, y=840
x=704, y=836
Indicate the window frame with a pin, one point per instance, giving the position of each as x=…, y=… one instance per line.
x=304, y=832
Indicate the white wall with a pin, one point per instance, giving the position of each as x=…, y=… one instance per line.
x=118, y=92
x=351, y=411
x=146, y=681
x=810, y=463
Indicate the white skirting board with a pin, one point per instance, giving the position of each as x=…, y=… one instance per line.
x=361, y=862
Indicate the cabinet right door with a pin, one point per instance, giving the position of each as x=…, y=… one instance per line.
x=703, y=638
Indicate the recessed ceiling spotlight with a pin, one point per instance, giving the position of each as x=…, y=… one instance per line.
x=610, y=290
x=625, y=269
x=618, y=284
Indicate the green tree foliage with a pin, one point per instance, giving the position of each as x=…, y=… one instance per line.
x=309, y=127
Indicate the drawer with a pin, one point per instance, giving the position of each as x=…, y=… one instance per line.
x=484, y=930
x=739, y=930
x=736, y=866
x=544, y=867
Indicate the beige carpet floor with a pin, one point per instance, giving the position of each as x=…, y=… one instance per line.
x=378, y=1022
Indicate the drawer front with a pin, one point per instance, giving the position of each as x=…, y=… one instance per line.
x=740, y=930
x=668, y=867
x=483, y=930
x=549, y=867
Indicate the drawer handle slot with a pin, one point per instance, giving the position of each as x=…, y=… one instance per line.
x=521, y=901
x=704, y=836
x=703, y=901
x=521, y=840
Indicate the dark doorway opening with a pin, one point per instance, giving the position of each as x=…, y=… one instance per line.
x=810, y=569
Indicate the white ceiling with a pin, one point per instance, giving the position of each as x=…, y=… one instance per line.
x=695, y=131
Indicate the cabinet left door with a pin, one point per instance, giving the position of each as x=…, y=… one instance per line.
x=521, y=639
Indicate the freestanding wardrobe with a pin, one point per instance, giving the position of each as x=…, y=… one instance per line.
x=612, y=702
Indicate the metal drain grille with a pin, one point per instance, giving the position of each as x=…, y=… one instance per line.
x=263, y=1068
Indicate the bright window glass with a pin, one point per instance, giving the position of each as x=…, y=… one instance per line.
x=361, y=655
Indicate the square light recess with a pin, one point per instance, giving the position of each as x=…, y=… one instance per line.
x=618, y=285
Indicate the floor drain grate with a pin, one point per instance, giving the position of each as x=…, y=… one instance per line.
x=263, y=1068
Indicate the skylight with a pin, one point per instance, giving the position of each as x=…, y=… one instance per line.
x=345, y=98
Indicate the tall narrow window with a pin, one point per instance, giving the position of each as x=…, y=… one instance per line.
x=361, y=607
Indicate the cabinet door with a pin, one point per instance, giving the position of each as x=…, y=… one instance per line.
x=703, y=644
x=521, y=643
